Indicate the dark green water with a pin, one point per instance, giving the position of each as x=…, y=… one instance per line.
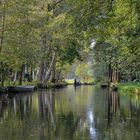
x=85, y=113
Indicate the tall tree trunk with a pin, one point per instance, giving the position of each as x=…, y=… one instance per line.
x=3, y=27
x=53, y=74
x=31, y=75
x=58, y=76
x=117, y=76
x=45, y=72
x=40, y=73
x=15, y=77
x=47, y=75
x=21, y=74
x=110, y=72
x=114, y=75
x=42, y=64
x=2, y=80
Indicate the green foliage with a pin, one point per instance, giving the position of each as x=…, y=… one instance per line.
x=117, y=39
x=129, y=88
x=32, y=31
x=85, y=73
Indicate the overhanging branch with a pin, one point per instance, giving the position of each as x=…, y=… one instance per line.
x=51, y=7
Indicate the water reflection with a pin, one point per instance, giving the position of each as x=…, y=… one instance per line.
x=113, y=105
x=46, y=106
x=92, y=129
x=86, y=113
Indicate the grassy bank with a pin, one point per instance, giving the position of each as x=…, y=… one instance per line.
x=7, y=85
x=52, y=85
x=33, y=83
x=71, y=81
x=131, y=88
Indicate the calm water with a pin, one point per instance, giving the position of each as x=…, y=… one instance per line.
x=84, y=113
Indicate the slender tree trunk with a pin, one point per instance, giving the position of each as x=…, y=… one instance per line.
x=40, y=73
x=44, y=72
x=2, y=74
x=53, y=74
x=15, y=77
x=31, y=75
x=21, y=74
x=47, y=75
x=2, y=81
x=117, y=76
x=110, y=73
x=59, y=75
x=114, y=75
x=42, y=64
x=131, y=74
x=3, y=28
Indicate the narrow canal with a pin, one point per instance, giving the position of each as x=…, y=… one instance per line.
x=84, y=113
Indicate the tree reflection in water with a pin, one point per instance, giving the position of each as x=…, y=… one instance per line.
x=84, y=113
x=113, y=105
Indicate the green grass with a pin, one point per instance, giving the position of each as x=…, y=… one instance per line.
x=9, y=83
x=34, y=83
x=69, y=81
x=129, y=88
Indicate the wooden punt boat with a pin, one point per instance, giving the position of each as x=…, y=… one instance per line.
x=21, y=89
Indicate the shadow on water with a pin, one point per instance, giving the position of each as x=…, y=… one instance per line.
x=81, y=113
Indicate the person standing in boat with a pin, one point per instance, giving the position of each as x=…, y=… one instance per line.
x=78, y=80
x=75, y=81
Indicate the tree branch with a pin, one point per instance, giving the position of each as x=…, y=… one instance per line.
x=54, y=5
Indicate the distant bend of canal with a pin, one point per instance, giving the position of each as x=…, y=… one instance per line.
x=82, y=113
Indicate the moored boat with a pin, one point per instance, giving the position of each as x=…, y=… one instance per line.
x=104, y=85
x=21, y=89
x=3, y=89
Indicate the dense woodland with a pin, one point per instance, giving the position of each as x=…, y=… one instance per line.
x=39, y=40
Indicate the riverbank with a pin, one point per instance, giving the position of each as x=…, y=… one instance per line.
x=71, y=82
x=7, y=88
x=52, y=85
x=128, y=87
x=133, y=88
